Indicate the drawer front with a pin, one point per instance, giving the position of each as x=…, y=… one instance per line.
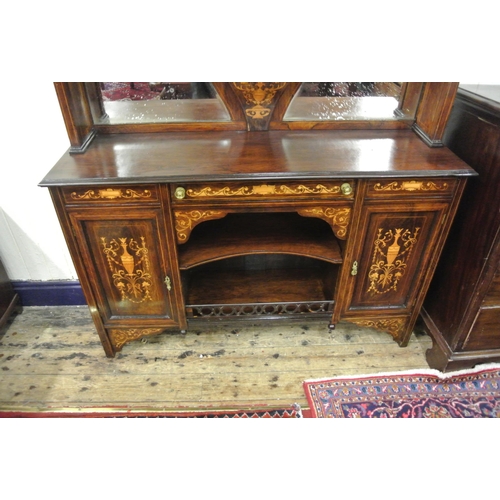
x=110, y=194
x=325, y=190
x=404, y=188
x=485, y=333
x=492, y=298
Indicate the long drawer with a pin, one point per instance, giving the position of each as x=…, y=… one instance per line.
x=321, y=190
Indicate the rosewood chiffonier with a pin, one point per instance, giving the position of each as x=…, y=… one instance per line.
x=260, y=201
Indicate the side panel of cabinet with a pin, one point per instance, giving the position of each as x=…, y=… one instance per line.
x=128, y=264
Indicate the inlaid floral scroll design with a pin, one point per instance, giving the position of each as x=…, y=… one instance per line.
x=338, y=218
x=130, y=268
x=120, y=337
x=259, y=97
x=185, y=221
x=390, y=256
x=411, y=186
x=393, y=326
x=111, y=194
x=262, y=190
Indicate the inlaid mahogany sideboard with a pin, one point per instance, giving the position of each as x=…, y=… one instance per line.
x=172, y=227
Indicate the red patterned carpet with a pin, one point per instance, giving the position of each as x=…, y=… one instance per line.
x=422, y=394
x=292, y=412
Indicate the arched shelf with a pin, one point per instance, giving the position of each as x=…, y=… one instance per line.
x=240, y=234
x=260, y=263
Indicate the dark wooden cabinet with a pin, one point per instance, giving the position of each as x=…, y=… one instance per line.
x=318, y=232
x=258, y=217
x=462, y=309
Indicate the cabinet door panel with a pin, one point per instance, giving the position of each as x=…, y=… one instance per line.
x=126, y=264
x=394, y=254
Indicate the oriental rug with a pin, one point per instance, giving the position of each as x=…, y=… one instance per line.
x=292, y=412
x=419, y=394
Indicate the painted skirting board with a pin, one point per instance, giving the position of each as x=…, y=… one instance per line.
x=49, y=293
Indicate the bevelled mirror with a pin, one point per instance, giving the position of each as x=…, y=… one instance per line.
x=345, y=101
x=158, y=102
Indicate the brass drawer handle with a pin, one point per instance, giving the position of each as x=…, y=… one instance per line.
x=180, y=193
x=346, y=189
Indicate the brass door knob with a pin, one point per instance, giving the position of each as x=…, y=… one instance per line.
x=346, y=189
x=180, y=193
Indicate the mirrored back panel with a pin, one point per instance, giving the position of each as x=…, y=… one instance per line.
x=159, y=102
x=338, y=101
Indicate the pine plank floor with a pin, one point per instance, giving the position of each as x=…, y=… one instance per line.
x=51, y=359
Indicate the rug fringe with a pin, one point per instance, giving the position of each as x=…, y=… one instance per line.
x=424, y=371
x=298, y=409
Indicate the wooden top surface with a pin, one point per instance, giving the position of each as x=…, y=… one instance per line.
x=229, y=155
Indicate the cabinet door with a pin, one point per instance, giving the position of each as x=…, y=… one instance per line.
x=129, y=266
x=393, y=253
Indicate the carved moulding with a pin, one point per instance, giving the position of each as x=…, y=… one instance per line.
x=338, y=218
x=261, y=190
x=186, y=220
x=394, y=326
x=119, y=337
x=411, y=186
x=111, y=194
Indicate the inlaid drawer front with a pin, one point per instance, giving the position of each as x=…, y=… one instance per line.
x=107, y=194
x=261, y=191
x=411, y=187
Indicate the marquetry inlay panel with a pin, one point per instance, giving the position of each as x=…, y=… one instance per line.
x=120, y=337
x=185, y=221
x=391, y=251
x=258, y=100
x=130, y=268
x=330, y=190
x=412, y=187
x=338, y=218
x=111, y=194
x=393, y=326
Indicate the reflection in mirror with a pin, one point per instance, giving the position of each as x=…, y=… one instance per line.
x=160, y=102
x=330, y=101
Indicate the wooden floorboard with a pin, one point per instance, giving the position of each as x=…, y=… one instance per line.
x=51, y=359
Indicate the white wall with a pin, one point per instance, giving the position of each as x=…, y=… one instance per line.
x=33, y=138
x=489, y=90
